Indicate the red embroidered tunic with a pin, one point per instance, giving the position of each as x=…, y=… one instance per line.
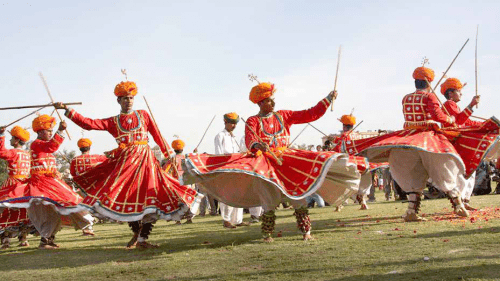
x=131, y=183
x=461, y=117
x=274, y=129
x=82, y=163
x=420, y=108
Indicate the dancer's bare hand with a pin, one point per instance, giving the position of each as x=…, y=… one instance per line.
x=260, y=146
x=60, y=105
x=475, y=101
x=62, y=126
x=333, y=95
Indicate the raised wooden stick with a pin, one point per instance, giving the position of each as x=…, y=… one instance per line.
x=336, y=75
x=202, y=137
x=444, y=74
x=27, y=115
x=299, y=135
x=261, y=141
x=52, y=100
x=317, y=129
x=477, y=32
x=161, y=137
x=37, y=106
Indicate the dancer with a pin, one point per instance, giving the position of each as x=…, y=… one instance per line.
x=270, y=169
x=131, y=186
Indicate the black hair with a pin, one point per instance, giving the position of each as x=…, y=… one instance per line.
x=421, y=84
x=349, y=127
x=84, y=149
x=178, y=151
x=448, y=93
x=328, y=142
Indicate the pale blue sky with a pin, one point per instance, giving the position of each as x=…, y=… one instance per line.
x=191, y=58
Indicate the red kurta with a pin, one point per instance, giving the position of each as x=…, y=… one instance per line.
x=461, y=117
x=18, y=167
x=469, y=146
x=131, y=183
x=246, y=179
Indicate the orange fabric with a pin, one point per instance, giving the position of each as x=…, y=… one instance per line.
x=178, y=145
x=421, y=73
x=348, y=120
x=84, y=143
x=20, y=133
x=261, y=92
x=451, y=83
x=43, y=122
x=127, y=88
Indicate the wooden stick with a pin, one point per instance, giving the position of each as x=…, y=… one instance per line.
x=352, y=130
x=298, y=135
x=202, y=137
x=52, y=100
x=440, y=103
x=317, y=129
x=336, y=75
x=261, y=141
x=161, y=137
x=27, y=115
x=37, y=106
x=444, y=74
x=477, y=32
x=480, y=118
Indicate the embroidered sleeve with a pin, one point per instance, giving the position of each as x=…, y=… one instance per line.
x=88, y=123
x=155, y=133
x=308, y=115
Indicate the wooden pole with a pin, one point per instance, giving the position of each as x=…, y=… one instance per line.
x=174, y=165
x=37, y=106
x=336, y=75
x=27, y=115
x=317, y=129
x=444, y=74
x=52, y=100
x=477, y=32
x=261, y=141
x=202, y=137
x=298, y=135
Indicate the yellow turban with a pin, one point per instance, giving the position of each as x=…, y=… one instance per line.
x=43, y=122
x=451, y=83
x=20, y=133
x=126, y=88
x=348, y=120
x=84, y=143
x=178, y=145
x=261, y=92
x=421, y=73
x=231, y=117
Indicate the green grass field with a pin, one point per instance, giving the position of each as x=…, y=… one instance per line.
x=350, y=245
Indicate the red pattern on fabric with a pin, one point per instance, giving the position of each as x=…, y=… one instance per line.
x=13, y=217
x=420, y=107
x=82, y=163
x=461, y=117
x=132, y=181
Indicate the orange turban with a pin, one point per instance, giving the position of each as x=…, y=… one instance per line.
x=43, y=122
x=126, y=88
x=348, y=120
x=20, y=133
x=261, y=92
x=421, y=73
x=84, y=143
x=178, y=145
x=231, y=117
x=451, y=83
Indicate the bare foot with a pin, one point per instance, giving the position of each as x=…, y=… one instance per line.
x=307, y=237
x=268, y=239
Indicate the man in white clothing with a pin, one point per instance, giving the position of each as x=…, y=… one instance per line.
x=225, y=142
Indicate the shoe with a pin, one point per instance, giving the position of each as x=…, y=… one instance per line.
x=146, y=245
x=461, y=211
x=88, y=232
x=133, y=241
x=413, y=217
x=51, y=242
x=243, y=223
x=227, y=224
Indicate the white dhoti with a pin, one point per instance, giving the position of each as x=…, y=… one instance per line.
x=411, y=168
x=82, y=220
x=466, y=186
x=231, y=214
x=365, y=184
x=256, y=211
x=46, y=220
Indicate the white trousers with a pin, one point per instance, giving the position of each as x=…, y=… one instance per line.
x=256, y=211
x=231, y=214
x=365, y=184
x=466, y=186
x=45, y=219
x=411, y=168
